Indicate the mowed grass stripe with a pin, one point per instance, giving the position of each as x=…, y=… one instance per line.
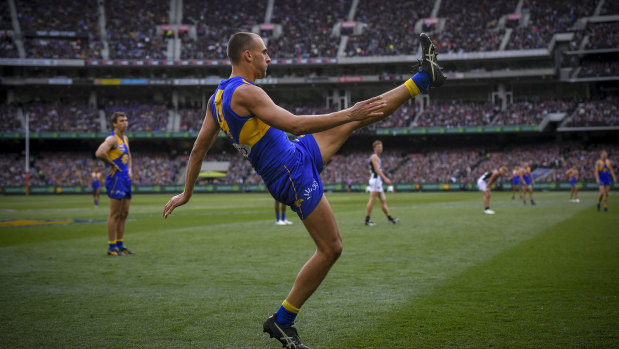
x=557, y=289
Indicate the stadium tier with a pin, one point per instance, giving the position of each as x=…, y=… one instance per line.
x=527, y=79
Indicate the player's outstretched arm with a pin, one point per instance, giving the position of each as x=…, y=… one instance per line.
x=206, y=138
x=252, y=100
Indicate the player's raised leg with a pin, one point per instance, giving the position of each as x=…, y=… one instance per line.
x=429, y=75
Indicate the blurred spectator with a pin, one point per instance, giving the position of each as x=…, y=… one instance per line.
x=597, y=113
x=142, y=117
x=457, y=114
x=531, y=113
x=9, y=122
x=603, y=35
x=390, y=28
x=61, y=15
x=61, y=116
x=306, y=28
x=598, y=69
x=472, y=26
x=131, y=29
x=215, y=22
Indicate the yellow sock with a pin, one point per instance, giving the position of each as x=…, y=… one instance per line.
x=412, y=87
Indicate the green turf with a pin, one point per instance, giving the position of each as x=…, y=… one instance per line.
x=446, y=276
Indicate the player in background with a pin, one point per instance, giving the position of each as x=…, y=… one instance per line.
x=95, y=175
x=280, y=214
x=484, y=183
x=516, y=182
x=257, y=127
x=377, y=176
x=527, y=185
x=603, y=172
x=114, y=152
x=572, y=175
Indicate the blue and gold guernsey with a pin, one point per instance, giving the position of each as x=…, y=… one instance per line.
x=118, y=185
x=571, y=174
x=289, y=169
x=516, y=177
x=526, y=175
x=602, y=168
x=96, y=179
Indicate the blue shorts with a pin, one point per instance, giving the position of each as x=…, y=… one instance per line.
x=573, y=182
x=297, y=183
x=516, y=181
x=118, y=186
x=527, y=180
x=604, y=180
x=96, y=185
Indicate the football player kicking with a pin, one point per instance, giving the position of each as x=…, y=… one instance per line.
x=290, y=169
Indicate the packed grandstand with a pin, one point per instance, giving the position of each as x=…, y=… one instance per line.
x=528, y=80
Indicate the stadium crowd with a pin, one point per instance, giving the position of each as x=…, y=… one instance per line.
x=596, y=113
x=62, y=117
x=154, y=116
x=147, y=117
x=307, y=28
x=462, y=165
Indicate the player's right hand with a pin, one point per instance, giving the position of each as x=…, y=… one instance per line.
x=114, y=168
x=174, y=202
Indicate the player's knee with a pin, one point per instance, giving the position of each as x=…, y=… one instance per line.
x=334, y=250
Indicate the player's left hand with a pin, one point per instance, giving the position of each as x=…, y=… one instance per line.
x=175, y=201
x=368, y=109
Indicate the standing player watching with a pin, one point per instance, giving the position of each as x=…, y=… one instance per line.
x=572, y=174
x=257, y=127
x=95, y=175
x=603, y=171
x=280, y=214
x=114, y=151
x=376, y=185
x=527, y=186
x=484, y=183
x=516, y=184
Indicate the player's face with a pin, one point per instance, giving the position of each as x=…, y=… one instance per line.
x=261, y=57
x=378, y=148
x=121, y=123
x=604, y=155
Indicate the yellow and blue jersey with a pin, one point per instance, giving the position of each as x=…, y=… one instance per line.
x=118, y=185
x=266, y=147
x=603, y=169
x=120, y=154
x=289, y=169
x=526, y=175
x=515, y=177
x=96, y=179
x=571, y=174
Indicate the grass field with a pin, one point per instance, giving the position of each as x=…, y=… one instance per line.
x=446, y=276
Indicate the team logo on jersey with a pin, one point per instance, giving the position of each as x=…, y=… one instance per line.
x=298, y=202
x=244, y=149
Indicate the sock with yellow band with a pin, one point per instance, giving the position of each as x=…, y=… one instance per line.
x=286, y=314
x=419, y=83
x=120, y=244
x=112, y=244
